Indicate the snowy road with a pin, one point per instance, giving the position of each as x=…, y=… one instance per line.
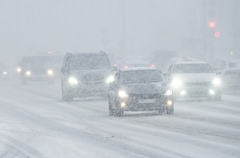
x=34, y=122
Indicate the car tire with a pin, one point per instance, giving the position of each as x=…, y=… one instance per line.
x=110, y=109
x=67, y=96
x=170, y=112
x=119, y=113
x=162, y=111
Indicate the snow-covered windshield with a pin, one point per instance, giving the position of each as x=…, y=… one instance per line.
x=192, y=68
x=41, y=60
x=89, y=61
x=141, y=76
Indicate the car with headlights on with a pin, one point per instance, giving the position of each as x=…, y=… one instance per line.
x=85, y=74
x=194, y=79
x=139, y=89
x=4, y=71
x=39, y=68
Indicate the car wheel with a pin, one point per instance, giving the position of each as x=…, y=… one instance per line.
x=170, y=112
x=67, y=96
x=162, y=111
x=119, y=112
x=111, y=110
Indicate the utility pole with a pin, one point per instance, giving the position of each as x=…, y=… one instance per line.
x=204, y=32
x=123, y=30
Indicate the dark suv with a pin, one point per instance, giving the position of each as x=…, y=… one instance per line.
x=85, y=74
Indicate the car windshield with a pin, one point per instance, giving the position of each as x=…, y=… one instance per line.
x=192, y=68
x=141, y=76
x=41, y=60
x=89, y=61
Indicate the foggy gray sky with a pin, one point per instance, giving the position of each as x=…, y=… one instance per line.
x=114, y=26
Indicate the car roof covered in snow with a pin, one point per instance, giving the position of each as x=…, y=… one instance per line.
x=191, y=62
x=138, y=68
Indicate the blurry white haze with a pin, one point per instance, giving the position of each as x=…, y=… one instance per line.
x=118, y=26
x=83, y=108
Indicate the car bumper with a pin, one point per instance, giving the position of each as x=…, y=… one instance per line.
x=145, y=104
x=89, y=90
x=196, y=92
x=37, y=78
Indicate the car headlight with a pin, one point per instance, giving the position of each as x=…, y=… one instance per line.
x=5, y=73
x=28, y=73
x=176, y=83
x=122, y=94
x=110, y=79
x=50, y=72
x=19, y=69
x=168, y=92
x=216, y=82
x=72, y=81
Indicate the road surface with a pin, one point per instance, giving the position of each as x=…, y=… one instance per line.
x=35, y=122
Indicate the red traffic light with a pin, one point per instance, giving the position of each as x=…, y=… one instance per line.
x=212, y=24
x=217, y=34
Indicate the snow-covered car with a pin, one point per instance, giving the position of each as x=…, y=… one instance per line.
x=229, y=70
x=221, y=65
x=85, y=74
x=139, y=89
x=231, y=78
x=4, y=71
x=136, y=61
x=39, y=68
x=194, y=79
x=161, y=59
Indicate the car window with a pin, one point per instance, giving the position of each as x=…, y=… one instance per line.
x=192, y=68
x=89, y=61
x=141, y=76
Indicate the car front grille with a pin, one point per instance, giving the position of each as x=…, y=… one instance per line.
x=145, y=96
x=93, y=77
x=192, y=84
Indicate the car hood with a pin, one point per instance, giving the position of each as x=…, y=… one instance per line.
x=195, y=77
x=91, y=75
x=144, y=88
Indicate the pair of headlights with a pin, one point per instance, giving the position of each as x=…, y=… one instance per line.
x=123, y=94
x=177, y=83
x=74, y=81
x=28, y=73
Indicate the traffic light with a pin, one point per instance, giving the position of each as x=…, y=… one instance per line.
x=217, y=34
x=212, y=24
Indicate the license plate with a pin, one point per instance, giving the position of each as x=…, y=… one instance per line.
x=146, y=100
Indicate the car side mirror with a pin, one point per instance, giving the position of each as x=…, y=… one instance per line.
x=218, y=72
